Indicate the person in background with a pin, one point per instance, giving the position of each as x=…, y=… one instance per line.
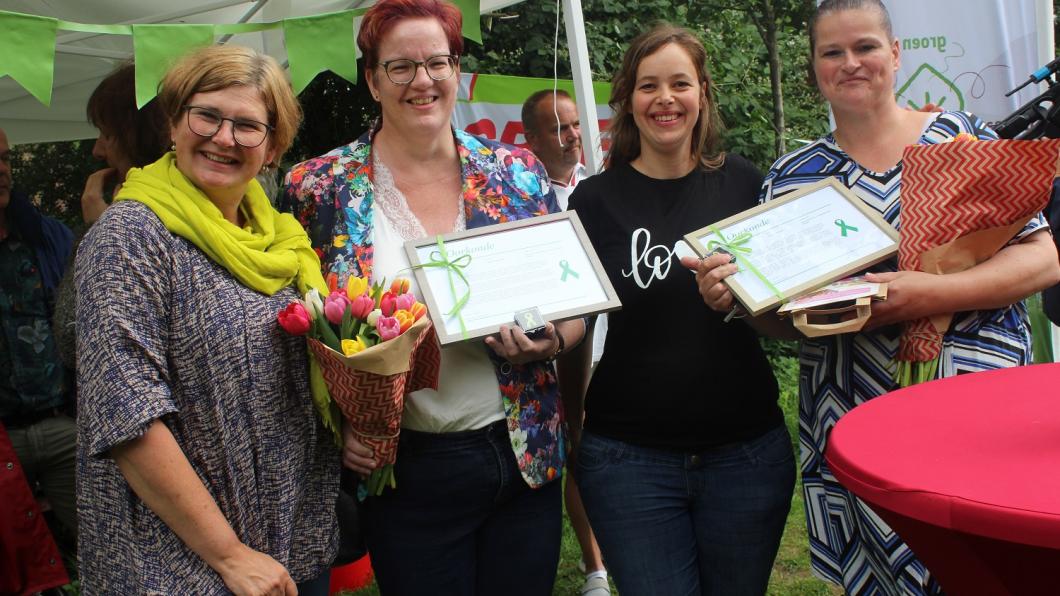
x=36, y=425
x=685, y=464
x=128, y=138
x=477, y=509
x=553, y=133
x=202, y=465
x=855, y=57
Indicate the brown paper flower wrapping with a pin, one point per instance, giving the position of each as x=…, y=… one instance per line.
x=370, y=386
x=961, y=203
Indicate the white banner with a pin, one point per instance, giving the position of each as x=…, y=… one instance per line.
x=966, y=54
x=491, y=105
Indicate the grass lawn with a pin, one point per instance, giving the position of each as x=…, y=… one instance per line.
x=791, y=571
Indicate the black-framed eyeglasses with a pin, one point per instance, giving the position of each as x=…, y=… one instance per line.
x=402, y=71
x=206, y=122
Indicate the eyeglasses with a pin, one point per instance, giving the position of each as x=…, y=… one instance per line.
x=403, y=70
x=206, y=123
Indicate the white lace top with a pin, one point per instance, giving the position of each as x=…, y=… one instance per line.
x=468, y=395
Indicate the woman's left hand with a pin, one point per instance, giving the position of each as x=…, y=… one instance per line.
x=514, y=346
x=910, y=295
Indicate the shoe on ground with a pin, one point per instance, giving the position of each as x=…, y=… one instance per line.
x=596, y=586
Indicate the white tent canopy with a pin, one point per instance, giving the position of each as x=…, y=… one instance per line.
x=82, y=59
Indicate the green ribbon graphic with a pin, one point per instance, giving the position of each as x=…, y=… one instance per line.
x=567, y=271
x=27, y=45
x=736, y=248
x=440, y=258
x=843, y=227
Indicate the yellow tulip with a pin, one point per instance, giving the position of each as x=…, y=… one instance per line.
x=356, y=286
x=352, y=346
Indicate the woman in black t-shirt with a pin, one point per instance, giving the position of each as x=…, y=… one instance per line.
x=685, y=465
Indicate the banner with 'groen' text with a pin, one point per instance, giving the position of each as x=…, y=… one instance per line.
x=966, y=54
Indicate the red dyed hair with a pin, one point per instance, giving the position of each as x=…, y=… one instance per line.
x=383, y=15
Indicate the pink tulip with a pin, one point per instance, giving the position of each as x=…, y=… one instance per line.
x=335, y=307
x=404, y=301
x=387, y=304
x=388, y=328
x=294, y=319
x=361, y=306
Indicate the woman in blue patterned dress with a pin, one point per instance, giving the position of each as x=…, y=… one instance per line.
x=202, y=467
x=855, y=57
x=479, y=459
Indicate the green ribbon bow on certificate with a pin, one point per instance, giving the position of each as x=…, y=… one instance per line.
x=440, y=258
x=736, y=247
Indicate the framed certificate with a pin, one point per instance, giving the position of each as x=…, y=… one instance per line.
x=475, y=281
x=797, y=243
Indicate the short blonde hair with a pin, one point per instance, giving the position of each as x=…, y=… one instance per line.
x=221, y=66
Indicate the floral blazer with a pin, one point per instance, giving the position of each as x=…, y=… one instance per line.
x=332, y=197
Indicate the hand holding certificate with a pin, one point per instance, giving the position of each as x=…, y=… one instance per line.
x=797, y=244
x=476, y=281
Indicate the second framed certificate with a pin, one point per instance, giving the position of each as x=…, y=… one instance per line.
x=797, y=243
x=475, y=281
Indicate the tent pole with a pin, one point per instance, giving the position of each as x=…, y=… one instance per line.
x=583, y=84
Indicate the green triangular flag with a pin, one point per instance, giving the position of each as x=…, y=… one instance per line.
x=472, y=22
x=157, y=47
x=318, y=43
x=27, y=46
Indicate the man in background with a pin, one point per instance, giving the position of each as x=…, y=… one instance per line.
x=553, y=132
x=38, y=435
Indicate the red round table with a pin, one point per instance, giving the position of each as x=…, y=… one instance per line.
x=967, y=471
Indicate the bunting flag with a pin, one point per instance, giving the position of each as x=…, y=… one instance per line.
x=472, y=24
x=314, y=44
x=156, y=48
x=309, y=57
x=27, y=47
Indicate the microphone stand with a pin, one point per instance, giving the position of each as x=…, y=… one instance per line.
x=1038, y=118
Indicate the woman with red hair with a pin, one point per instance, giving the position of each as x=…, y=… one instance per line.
x=477, y=509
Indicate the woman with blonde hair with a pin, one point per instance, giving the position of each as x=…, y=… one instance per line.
x=685, y=465
x=202, y=465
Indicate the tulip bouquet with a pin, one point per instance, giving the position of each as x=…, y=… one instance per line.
x=373, y=345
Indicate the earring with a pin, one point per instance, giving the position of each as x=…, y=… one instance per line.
x=265, y=169
x=173, y=147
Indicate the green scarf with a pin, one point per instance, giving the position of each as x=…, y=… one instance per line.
x=267, y=255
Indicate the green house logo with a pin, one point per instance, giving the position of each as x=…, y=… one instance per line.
x=937, y=89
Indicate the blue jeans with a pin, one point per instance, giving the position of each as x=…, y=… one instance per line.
x=462, y=520
x=677, y=524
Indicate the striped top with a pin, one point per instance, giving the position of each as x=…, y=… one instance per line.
x=164, y=332
x=848, y=544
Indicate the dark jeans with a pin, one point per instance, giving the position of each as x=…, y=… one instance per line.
x=678, y=524
x=462, y=520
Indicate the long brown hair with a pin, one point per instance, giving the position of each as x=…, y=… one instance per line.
x=623, y=131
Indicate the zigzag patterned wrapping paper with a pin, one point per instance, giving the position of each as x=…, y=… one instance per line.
x=372, y=403
x=952, y=189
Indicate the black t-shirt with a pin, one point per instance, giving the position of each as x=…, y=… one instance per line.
x=673, y=374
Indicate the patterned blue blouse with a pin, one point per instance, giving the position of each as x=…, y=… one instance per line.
x=849, y=544
x=164, y=332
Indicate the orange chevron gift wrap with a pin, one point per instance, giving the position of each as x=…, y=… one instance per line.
x=965, y=198
x=370, y=386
